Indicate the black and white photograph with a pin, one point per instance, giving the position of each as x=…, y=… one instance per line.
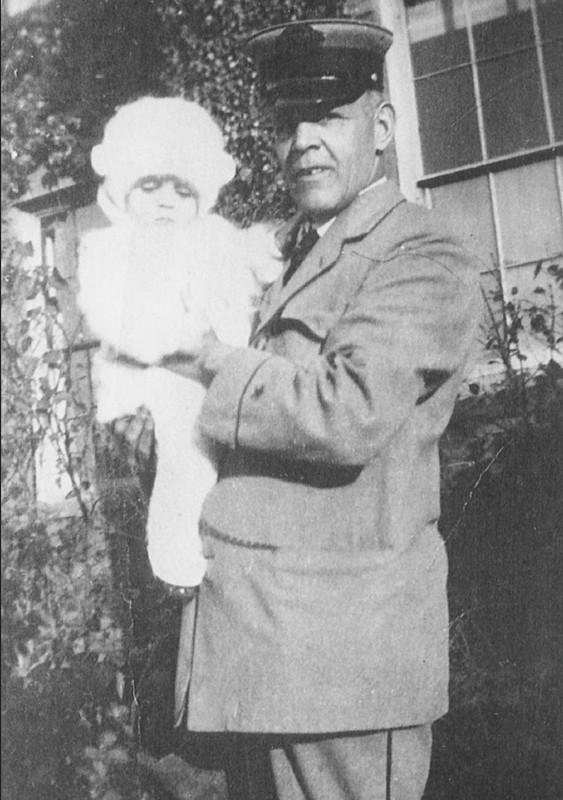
x=282, y=400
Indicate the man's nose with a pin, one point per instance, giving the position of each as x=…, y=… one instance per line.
x=305, y=135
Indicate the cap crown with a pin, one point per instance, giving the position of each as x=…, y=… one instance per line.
x=316, y=61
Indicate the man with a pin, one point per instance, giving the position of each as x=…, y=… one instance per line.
x=320, y=631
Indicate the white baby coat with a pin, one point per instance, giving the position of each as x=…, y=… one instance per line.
x=148, y=293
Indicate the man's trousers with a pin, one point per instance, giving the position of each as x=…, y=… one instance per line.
x=378, y=765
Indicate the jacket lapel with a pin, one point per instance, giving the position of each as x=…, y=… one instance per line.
x=361, y=216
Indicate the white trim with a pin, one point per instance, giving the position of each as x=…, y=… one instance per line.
x=476, y=83
x=402, y=95
x=545, y=96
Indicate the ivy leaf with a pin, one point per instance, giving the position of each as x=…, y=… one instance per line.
x=538, y=323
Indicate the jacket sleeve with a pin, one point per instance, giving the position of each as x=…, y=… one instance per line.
x=407, y=331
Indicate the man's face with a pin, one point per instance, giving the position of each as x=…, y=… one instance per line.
x=162, y=200
x=328, y=155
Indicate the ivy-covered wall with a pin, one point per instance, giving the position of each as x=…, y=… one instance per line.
x=69, y=64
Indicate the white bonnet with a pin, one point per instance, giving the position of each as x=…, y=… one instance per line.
x=163, y=136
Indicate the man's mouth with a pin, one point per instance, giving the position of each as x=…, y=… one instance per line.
x=302, y=173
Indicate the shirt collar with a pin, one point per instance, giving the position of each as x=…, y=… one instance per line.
x=322, y=229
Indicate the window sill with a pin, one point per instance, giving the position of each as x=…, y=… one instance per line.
x=491, y=165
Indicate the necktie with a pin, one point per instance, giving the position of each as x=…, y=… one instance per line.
x=307, y=241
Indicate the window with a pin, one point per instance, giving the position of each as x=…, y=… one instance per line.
x=488, y=78
x=494, y=68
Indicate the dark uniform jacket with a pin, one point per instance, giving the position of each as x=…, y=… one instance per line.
x=324, y=606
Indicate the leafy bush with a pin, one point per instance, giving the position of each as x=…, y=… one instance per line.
x=62, y=639
x=502, y=510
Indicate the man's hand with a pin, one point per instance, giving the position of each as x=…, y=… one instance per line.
x=200, y=368
x=187, y=366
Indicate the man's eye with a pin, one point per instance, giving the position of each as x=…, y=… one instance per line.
x=283, y=124
x=332, y=116
x=284, y=132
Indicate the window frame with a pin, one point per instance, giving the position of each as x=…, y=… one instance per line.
x=417, y=184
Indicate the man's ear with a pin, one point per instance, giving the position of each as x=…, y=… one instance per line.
x=384, y=120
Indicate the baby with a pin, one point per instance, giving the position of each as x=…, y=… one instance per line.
x=165, y=273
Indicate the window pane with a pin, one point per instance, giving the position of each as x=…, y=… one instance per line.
x=429, y=18
x=550, y=16
x=529, y=210
x=467, y=207
x=512, y=102
x=503, y=34
x=483, y=10
x=553, y=59
x=448, y=120
x=440, y=52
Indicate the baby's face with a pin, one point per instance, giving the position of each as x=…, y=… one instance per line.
x=162, y=200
